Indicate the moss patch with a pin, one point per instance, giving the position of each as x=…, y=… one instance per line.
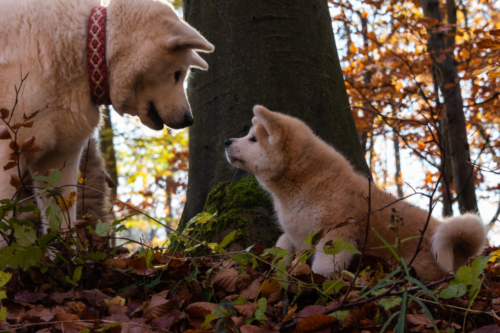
x=242, y=205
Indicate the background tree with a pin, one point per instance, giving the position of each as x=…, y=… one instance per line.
x=280, y=54
x=406, y=90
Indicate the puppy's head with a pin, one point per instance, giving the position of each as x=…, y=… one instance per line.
x=150, y=52
x=272, y=146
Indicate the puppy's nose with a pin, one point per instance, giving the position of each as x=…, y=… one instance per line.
x=228, y=143
x=188, y=120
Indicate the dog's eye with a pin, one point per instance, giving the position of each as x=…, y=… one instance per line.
x=177, y=76
x=253, y=139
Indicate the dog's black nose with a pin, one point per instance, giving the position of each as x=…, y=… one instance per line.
x=228, y=143
x=188, y=120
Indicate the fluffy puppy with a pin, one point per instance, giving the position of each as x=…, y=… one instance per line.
x=314, y=187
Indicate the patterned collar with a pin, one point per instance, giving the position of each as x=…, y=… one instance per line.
x=96, y=56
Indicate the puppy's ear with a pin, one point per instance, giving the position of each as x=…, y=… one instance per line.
x=260, y=130
x=268, y=119
x=184, y=36
x=198, y=62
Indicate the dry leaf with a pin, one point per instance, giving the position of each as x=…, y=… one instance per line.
x=316, y=322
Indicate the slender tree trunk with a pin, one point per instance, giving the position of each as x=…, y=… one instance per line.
x=279, y=53
x=449, y=83
x=397, y=157
x=106, y=136
x=447, y=178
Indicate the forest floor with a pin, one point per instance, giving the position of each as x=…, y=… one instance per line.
x=155, y=291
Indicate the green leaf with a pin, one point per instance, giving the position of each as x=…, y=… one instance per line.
x=261, y=309
x=240, y=300
x=3, y=313
x=25, y=236
x=313, y=238
x=55, y=217
x=45, y=239
x=107, y=327
x=101, y=229
x=389, y=303
x=42, y=178
x=474, y=287
x=336, y=245
x=278, y=252
x=282, y=274
x=453, y=290
x=18, y=256
x=95, y=256
x=208, y=318
x=4, y=278
x=55, y=177
x=330, y=287
x=226, y=241
x=194, y=273
x=77, y=274
x=340, y=315
x=244, y=259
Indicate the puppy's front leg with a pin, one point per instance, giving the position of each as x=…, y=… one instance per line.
x=285, y=243
x=69, y=175
x=326, y=264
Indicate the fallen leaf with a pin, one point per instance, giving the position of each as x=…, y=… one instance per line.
x=316, y=322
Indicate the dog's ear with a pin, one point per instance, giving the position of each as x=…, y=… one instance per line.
x=184, y=36
x=260, y=130
x=269, y=120
x=198, y=62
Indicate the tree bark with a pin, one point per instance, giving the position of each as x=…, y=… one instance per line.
x=397, y=158
x=455, y=119
x=106, y=136
x=279, y=53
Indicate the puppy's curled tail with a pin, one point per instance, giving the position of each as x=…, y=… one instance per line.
x=456, y=239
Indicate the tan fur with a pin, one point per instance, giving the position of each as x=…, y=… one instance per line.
x=314, y=187
x=146, y=44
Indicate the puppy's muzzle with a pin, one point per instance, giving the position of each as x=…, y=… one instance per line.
x=227, y=143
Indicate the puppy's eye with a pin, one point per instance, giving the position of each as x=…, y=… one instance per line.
x=177, y=76
x=253, y=139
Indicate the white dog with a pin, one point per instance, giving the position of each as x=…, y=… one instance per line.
x=314, y=187
x=141, y=48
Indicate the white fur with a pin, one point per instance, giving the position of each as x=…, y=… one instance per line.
x=146, y=44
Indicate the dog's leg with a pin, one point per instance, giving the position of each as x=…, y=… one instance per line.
x=285, y=243
x=326, y=264
x=68, y=166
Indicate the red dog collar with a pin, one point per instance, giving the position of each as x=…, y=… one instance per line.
x=96, y=56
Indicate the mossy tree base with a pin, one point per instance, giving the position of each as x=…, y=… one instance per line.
x=243, y=206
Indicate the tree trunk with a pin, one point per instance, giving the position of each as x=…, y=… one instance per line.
x=449, y=83
x=106, y=136
x=279, y=53
x=397, y=157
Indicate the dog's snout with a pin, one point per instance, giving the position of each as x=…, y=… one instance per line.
x=228, y=143
x=188, y=120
